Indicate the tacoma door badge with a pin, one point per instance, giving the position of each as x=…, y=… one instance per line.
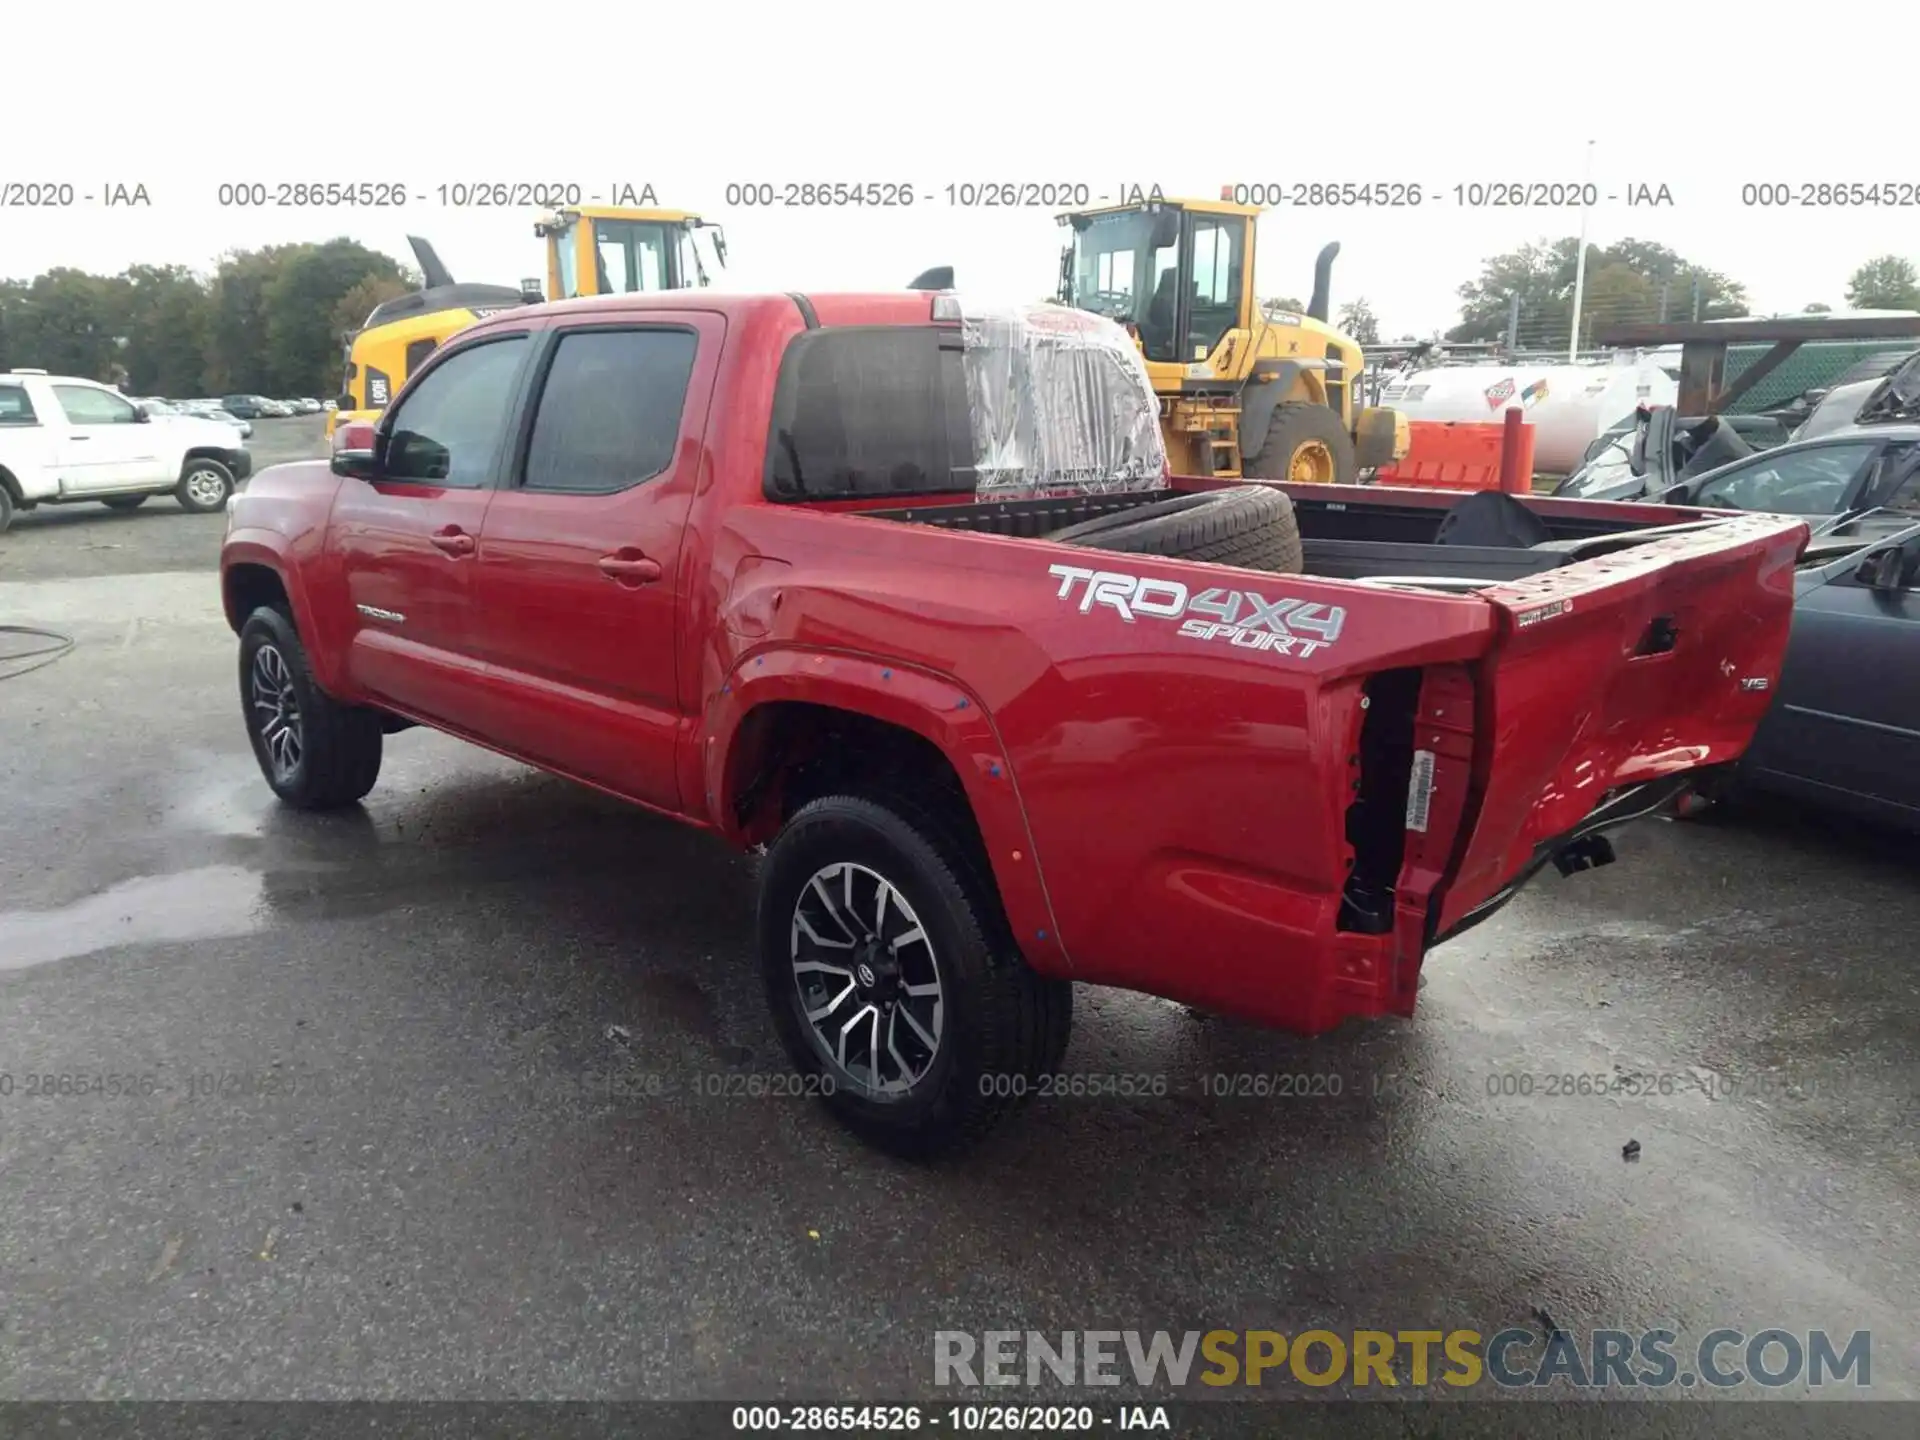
x=374, y=612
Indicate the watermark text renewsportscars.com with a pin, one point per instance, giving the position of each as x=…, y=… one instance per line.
x=1722, y=1359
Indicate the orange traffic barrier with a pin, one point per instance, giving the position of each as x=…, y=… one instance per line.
x=1465, y=455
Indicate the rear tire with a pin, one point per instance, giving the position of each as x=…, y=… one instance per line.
x=204, y=486
x=1307, y=443
x=6, y=510
x=1251, y=526
x=930, y=962
x=125, y=502
x=315, y=753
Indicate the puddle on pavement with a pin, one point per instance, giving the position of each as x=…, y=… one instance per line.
x=204, y=904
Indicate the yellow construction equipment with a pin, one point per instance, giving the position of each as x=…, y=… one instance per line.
x=1269, y=396
x=591, y=250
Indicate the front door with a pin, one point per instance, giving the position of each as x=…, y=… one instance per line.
x=408, y=540
x=105, y=446
x=580, y=569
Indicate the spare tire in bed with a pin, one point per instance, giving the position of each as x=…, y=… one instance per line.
x=1252, y=526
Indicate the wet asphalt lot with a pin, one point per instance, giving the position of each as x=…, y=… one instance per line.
x=443, y=1098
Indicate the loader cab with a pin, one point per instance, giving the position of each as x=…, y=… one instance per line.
x=595, y=250
x=1180, y=273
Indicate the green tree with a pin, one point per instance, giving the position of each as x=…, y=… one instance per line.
x=302, y=340
x=166, y=312
x=64, y=320
x=1542, y=274
x=1886, y=282
x=1359, y=321
x=1285, y=305
x=236, y=357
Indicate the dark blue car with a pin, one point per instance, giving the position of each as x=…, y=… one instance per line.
x=1844, y=731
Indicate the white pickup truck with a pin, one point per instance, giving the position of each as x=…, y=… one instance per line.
x=65, y=440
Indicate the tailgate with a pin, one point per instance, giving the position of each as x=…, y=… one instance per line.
x=1615, y=671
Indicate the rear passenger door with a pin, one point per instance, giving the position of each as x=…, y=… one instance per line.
x=583, y=571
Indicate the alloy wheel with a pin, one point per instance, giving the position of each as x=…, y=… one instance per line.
x=867, y=979
x=276, y=711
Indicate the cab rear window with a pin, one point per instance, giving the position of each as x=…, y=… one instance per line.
x=878, y=410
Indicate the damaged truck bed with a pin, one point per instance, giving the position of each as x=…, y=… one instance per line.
x=905, y=595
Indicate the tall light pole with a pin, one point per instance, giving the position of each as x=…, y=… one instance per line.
x=1580, y=262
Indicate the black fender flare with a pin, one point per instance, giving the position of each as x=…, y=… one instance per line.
x=1263, y=394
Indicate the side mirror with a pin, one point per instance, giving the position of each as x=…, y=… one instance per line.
x=1166, y=228
x=1882, y=570
x=355, y=452
x=140, y=415
x=1675, y=495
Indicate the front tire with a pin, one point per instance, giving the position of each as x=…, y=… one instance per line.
x=315, y=753
x=1307, y=444
x=204, y=486
x=893, y=983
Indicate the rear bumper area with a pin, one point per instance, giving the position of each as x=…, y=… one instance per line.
x=1584, y=847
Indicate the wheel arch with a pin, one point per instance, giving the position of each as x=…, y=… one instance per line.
x=1273, y=384
x=253, y=573
x=789, y=725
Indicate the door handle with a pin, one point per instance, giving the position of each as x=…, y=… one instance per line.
x=79, y=437
x=629, y=567
x=452, y=540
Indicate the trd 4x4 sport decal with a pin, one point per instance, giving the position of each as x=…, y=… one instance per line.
x=1241, y=618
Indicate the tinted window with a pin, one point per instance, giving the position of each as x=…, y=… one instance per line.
x=1906, y=497
x=418, y=352
x=87, y=406
x=609, y=413
x=870, y=412
x=447, y=431
x=15, y=407
x=1806, y=482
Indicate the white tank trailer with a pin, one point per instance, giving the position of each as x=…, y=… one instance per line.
x=1569, y=406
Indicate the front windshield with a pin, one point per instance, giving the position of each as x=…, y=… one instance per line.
x=1119, y=273
x=1608, y=469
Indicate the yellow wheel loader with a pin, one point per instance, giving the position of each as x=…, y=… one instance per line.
x=591, y=250
x=1242, y=392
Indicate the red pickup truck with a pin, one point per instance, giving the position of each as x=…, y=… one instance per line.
x=905, y=597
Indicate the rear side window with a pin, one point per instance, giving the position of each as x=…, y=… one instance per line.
x=609, y=414
x=870, y=411
x=15, y=407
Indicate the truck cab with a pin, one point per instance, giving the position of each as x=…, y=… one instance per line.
x=66, y=440
x=1180, y=275
x=606, y=250
x=590, y=250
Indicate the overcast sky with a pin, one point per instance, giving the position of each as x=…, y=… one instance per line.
x=690, y=98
